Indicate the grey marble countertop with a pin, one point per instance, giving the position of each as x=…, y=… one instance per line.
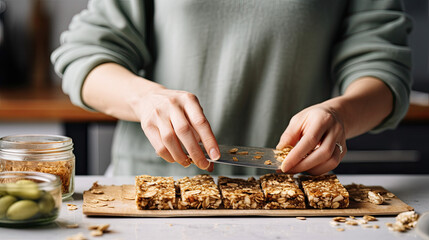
x=412, y=189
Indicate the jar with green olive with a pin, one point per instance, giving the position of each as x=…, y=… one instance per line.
x=29, y=198
x=40, y=153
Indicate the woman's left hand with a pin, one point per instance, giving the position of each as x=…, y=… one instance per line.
x=318, y=135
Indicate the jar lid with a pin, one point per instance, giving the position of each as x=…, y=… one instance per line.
x=35, y=143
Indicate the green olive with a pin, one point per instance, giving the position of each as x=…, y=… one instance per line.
x=22, y=210
x=25, y=181
x=46, y=203
x=5, y=203
x=2, y=190
x=24, y=189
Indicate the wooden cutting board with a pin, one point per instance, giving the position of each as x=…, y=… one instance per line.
x=119, y=201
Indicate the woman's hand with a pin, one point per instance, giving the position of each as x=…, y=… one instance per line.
x=172, y=118
x=315, y=133
x=319, y=132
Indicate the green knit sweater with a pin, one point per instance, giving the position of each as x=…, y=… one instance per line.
x=253, y=64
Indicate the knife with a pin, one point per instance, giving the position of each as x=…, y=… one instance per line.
x=256, y=157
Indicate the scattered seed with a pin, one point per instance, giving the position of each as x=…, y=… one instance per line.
x=352, y=223
x=390, y=195
x=96, y=233
x=369, y=218
x=268, y=162
x=339, y=219
x=96, y=191
x=235, y=159
x=72, y=225
x=243, y=153
x=71, y=207
x=376, y=226
x=340, y=229
x=301, y=218
x=258, y=157
x=233, y=150
x=334, y=223
x=78, y=236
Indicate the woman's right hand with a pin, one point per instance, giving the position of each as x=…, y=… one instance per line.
x=172, y=118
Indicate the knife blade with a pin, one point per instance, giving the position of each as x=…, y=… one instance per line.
x=255, y=157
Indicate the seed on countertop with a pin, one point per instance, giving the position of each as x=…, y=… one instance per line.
x=71, y=207
x=258, y=156
x=352, y=223
x=301, y=218
x=339, y=219
x=72, y=225
x=235, y=159
x=369, y=218
x=340, y=229
x=334, y=223
x=268, y=162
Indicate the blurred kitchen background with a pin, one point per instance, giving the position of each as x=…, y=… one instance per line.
x=31, y=100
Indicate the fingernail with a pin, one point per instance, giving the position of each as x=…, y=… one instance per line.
x=205, y=168
x=214, y=154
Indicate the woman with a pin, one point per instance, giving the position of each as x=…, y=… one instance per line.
x=267, y=73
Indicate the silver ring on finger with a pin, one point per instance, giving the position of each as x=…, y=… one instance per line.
x=340, y=147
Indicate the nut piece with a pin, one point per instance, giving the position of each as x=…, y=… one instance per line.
x=96, y=191
x=198, y=192
x=78, y=236
x=241, y=194
x=233, y=150
x=75, y=225
x=280, y=154
x=155, y=192
x=324, y=191
x=375, y=198
x=404, y=221
x=352, y=223
x=369, y=218
x=281, y=192
x=339, y=219
x=71, y=207
x=96, y=233
x=243, y=153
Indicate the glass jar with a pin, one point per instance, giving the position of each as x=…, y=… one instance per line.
x=40, y=153
x=29, y=198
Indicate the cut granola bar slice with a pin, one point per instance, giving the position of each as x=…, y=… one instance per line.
x=281, y=192
x=155, y=192
x=240, y=193
x=324, y=191
x=198, y=192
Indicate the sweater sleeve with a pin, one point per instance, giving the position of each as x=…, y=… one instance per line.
x=108, y=31
x=374, y=43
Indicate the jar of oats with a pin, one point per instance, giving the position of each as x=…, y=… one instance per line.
x=40, y=153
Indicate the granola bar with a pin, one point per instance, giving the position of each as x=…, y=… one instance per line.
x=324, y=191
x=281, y=191
x=155, y=192
x=198, y=192
x=240, y=193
